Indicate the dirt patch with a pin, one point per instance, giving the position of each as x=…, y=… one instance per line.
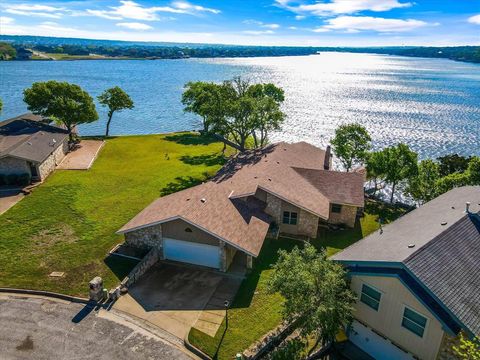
x=49, y=237
x=26, y=344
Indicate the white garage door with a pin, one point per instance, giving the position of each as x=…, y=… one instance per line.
x=192, y=253
x=374, y=344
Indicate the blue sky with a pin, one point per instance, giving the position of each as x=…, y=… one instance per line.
x=251, y=22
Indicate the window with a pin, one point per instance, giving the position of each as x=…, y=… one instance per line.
x=290, y=218
x=336, y=208
x=370, y=297
x=414, y=322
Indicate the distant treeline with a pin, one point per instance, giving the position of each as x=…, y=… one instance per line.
x=25, y=45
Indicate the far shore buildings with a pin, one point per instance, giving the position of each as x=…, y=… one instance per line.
x=29, y=144
x=286, y=188
x=418, y=280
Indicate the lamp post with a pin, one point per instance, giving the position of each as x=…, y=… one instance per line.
x=226, y=303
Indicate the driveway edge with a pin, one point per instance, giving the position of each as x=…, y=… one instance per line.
x=43, y=293
x=195, y=350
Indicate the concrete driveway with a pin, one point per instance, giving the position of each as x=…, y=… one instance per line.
x=173, y=297
x=8, y=198
x=83, y=156
x=36, y=328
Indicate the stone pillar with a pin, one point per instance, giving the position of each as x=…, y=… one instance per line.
x=223, y=256
x=249, y=262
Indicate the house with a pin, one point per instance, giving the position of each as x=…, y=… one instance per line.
x=30, y=145
x=418, y=280
x=288, y=187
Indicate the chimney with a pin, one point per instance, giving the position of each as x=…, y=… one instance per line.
x=326, y=161
x=467, y=207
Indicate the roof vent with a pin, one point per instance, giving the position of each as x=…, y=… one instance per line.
x=29, y=143
x=188, y=199
x=443, y=223
x=411, y=246
x=467, y=207
x=203, y=200
x=269, y=179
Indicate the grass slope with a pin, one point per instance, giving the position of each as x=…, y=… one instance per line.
x=69, y=222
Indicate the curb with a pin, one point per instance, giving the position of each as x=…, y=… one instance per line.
x=46, y=294
x=195, y=350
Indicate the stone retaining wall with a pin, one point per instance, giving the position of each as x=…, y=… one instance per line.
x=141, y=268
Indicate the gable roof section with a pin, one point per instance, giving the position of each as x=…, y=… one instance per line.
x=449, y=266
x=446, y=255
x=29, y=137
x=207, y=206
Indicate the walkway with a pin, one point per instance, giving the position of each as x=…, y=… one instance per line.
x=83, y=156
x=9, y=197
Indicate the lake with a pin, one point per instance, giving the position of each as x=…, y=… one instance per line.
x=433, y=105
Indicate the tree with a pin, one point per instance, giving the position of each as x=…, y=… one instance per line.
x=267, y=115
x=423, y=186
x=207, y=101
x=375, y=168
x=451, y=181
x=116, y=100
x=1, y=105
x=400, y=164
x=473, y=170
x=316, y=292
x=64, y=102
x=351, y=144
x=450, y=164
x=467, y=349
x=7, y=51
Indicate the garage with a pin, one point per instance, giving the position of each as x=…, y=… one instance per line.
x=374, y=344
x=192, y=253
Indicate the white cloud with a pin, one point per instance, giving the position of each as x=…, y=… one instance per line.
x=358, y=23
x=135, y=26
x=259, y=32
x=132, y=10
x=262, y=24
x=300, y=17
x=53, y=26
x=474, y=19
x=5, y=20
x=35, y=10
x=337, y=7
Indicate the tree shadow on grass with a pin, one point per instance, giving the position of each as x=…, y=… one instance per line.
x=189, y=138
x=387, y=213
x=208, y=160
x=181, y=183
x=265, y=261
x=120, y=266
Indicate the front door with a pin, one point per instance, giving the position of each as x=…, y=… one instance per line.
x=33, y=170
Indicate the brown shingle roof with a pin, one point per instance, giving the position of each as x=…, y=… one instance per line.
x=29, y=137
x=293, y=172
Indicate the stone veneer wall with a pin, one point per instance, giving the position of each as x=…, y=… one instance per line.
x=45, y=168
x=146, y=238
x=274, y=208
x=347, y=216
x=307, y=224
x=11, y=165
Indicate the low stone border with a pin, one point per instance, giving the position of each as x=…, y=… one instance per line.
x=195, y=350
x=73, y=299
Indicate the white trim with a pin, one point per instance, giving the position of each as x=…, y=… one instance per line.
x=178, y=217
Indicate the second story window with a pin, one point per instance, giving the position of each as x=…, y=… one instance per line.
x=336, y=208
x=290, y=218
x=370, y=297
x=414, y=322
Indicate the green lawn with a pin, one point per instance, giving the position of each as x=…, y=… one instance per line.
x=69, y=222
x=254, y=311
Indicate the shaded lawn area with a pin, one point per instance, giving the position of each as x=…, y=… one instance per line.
x=68, y=223
x=255, y=312
x=335, y=241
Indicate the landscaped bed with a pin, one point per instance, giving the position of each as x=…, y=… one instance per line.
x=68, y=224
x=254, y=311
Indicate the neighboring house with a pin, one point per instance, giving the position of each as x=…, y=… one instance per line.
x=418, y=280
x=28, y=144
x=290, y=186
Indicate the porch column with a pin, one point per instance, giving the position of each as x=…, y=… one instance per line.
x=249, y=262
x=223, y=256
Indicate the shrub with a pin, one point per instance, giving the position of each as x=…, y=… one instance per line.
x=12, y=179
x=24, y=179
